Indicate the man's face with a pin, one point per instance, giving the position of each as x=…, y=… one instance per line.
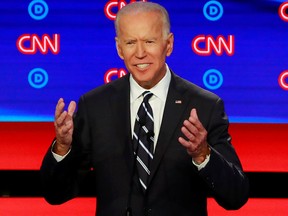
x=142, y=45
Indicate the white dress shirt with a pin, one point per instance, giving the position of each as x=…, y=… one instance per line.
x=157, y=101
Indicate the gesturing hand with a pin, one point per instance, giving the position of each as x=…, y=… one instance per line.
x=195, y=138
x=63, y=123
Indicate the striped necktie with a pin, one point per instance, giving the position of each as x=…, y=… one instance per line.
x=143, y=139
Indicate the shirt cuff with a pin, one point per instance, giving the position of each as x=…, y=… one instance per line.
x=58, y=157
x=203, y=164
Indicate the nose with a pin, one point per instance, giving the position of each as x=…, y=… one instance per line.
x=140, y=50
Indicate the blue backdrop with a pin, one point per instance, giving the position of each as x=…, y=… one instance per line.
x=247, y=77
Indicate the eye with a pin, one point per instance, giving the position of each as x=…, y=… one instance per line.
x=130, y=43
x=149, y=41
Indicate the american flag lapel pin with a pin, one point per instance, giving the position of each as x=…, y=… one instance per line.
x=178, y=101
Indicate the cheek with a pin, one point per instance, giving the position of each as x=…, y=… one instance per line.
x=162, y=56
x=127, y=54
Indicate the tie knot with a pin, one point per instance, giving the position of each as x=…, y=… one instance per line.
x=147, y=95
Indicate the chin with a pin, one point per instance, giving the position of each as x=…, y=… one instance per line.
x=147, y=84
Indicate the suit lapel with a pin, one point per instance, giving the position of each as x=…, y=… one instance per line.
x=175, y=105
x=120, y=106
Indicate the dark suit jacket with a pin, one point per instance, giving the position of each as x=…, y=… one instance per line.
x=102, y=140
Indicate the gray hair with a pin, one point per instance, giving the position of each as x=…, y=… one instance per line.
x=139, y=7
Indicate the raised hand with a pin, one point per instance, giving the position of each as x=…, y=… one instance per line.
x=195, y=138
x=63, y=123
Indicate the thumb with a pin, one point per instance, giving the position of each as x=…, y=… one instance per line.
x=193, y=113
x=71, y=108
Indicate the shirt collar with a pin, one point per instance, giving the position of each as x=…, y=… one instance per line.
x=160, y=90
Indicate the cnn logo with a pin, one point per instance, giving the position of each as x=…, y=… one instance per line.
x=282, y=11
x=114, y=73
x=29, y=44
x=206, y=45
x=111, y=8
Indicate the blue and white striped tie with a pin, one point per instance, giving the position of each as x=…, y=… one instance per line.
x=143, y=139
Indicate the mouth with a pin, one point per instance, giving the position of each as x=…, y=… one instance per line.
x=142, y=66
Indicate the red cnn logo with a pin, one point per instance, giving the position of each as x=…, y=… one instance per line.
x=109, y=10
x=283, y=80
x=204, y=45
x=30, y=44
x=112, y=73
x=282, y=11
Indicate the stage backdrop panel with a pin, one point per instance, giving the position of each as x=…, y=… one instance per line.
x=51, y=49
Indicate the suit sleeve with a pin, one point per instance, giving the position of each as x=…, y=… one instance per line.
x=224, y=174
x=61, y=180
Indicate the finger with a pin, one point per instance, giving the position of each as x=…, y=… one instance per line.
x=190, y=147
x=191, y=127
x=193, y=113
x=184, y=142
x=59, y=108
x=66, y=128
x=195, y=120
x=60, y=120
x=188, y=132
x=71, y=108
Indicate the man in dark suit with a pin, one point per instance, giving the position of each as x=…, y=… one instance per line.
x=191, y=156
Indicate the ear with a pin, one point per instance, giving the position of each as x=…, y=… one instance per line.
x=119, y=48
x=170, y=44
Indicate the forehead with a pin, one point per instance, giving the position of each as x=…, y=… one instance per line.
x=144, y=22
